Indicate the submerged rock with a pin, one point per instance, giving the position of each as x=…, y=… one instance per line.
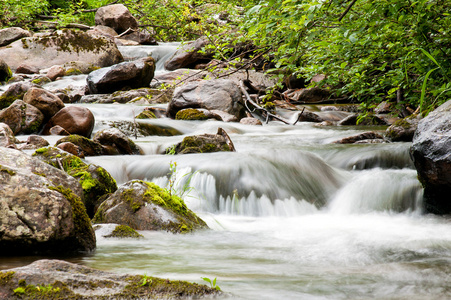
x=61, y=280
x=431, y=154
x=41, y=208
x=145, y=206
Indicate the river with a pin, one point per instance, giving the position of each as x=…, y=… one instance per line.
x=292, y=216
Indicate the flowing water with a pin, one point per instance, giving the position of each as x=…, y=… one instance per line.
x=292, y=216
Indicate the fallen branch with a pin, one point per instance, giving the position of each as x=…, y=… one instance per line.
x=70, y=25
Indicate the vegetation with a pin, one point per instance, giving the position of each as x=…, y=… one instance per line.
x=370, y=51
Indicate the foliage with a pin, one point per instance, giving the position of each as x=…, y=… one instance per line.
x=368, y=52
x=18, y=11
x=212, y=283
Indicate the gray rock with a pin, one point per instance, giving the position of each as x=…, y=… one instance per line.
x=33, y=142
x=188, y=56
x=60, y=47
x=368, y=120
x=204, y=143
x=217, y=94
x=150, y=96
x=250, y=121
x=117, y=140
x=366, y=136
x=116, y=16
x=11, y=34
x=22, y=118
x=71, y=281
x=7, y=138
x=134, y=74
x=431, y=154
x=145, y=206
x=41, y=208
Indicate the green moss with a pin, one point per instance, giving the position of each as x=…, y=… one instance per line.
x=190, y=114
x=5, y=277
x=7, y=170
x=73, y=71
x=82, y=223
x=124, y=231
x=146, y=114
x=194, y=144
x=41, y=80
x=7, y=98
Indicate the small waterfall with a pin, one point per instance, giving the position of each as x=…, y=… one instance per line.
x=379, y=190
x=161, y=53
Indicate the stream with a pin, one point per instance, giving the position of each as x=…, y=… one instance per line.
x=292, y=216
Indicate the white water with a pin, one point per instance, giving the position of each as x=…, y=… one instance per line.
x=370, y=240
x=291, y=215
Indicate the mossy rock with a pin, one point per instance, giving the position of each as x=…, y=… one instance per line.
x=146, y=206
x=403, y=130
x=89, y=147
x=146, y=114
x=190, y=114
x=204, y=143
x=95, y=180
x=124, y=231
x=5, y=71
x=14, y=92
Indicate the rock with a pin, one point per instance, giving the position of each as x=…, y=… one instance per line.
x=217, y=94
x=48, y=103
x=430, y=152
x=72, y=149
x=5, y=71
x=65, y=280
x=250, y=121
x=27, y=69
x=41, y=209
x=147, y=113
x=40, y=80
x=177, y=77
x=58, y=130
x=368, y=120
x=74, y=119
x=403, y=130
x=188, y=56
x=14, y=92
x=145, y=206
x=79, y=67
x=141, y=129
x=34, y=142
x=308, y=95
x=11, y=34
x=123, y=231
x=22, y=118
x=115, y=138
x=151, y=96
x=60, y=47
x=56, y=71
x=103, y=30
x=191, y=114
x=384, y=108
x=371, y=135
x=134, y=74
x=204, y=143
x=140, y=37
x=307, y=116
x=89, y=147
x=95, y=181
x=7, y=138
x=116, y=16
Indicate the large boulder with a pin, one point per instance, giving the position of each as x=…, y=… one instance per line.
x=431, y=154
x=145, y=206
x=14, y=92
x=188, y=56
x=60, y=47
x=116, y=142
x=48, y=103
x=22, y=118
x=217, y=94
x=74, y=119
x=116, y=16
x=11, y=34
x=5, y=71
x=95, y=181
x=58, y=279
x=41, y=211
x=133, y=74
